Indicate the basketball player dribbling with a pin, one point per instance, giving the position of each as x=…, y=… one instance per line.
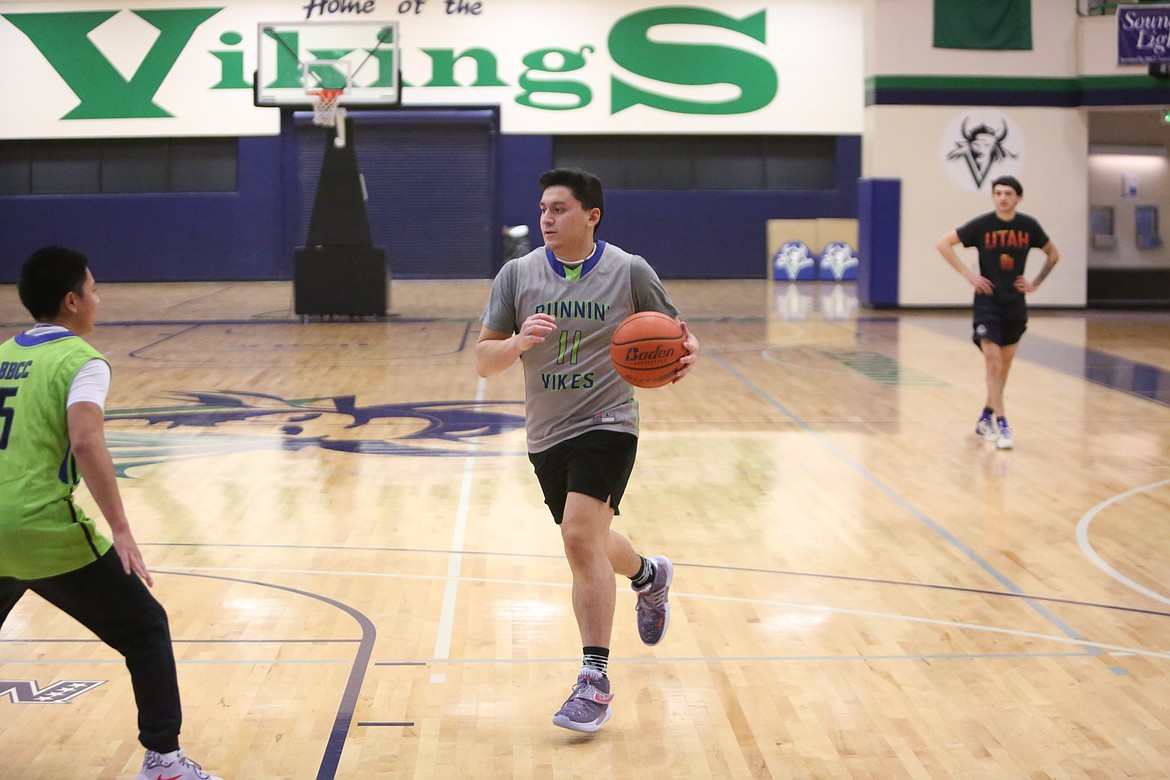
x=556, y=309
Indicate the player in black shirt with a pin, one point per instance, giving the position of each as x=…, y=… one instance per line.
x=1004, y=237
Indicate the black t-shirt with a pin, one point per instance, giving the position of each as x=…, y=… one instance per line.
x=1003, y=249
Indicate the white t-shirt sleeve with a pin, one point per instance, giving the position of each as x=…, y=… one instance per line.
x=92, y=383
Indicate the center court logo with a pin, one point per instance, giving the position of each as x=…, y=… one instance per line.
x=980, y=145
x=207, y=424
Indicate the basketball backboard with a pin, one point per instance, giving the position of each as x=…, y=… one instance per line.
x=293, y=58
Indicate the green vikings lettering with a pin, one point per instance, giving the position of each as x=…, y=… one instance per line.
x=63, y=39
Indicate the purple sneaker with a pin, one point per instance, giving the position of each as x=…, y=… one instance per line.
x=653, y=609
x=587, y=708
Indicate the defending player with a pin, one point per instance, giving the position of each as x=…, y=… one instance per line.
x=53, y=388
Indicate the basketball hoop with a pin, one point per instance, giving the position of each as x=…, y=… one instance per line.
x=325, y=105
x=328, y=113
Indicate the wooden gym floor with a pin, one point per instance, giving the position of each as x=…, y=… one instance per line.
x=363, y=582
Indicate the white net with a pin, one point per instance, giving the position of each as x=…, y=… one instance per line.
x=325, y=106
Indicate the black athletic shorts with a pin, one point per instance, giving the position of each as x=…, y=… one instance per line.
x=1000, y=324
x=596, y=463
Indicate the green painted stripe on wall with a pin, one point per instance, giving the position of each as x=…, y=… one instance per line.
x=1016, y=84
x=903, y=90
x=1002, y=84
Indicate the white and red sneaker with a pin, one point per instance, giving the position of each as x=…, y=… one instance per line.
x=171, y=766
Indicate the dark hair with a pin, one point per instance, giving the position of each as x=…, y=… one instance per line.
x=1009, y=181
x=585, y=187
x=47, y=276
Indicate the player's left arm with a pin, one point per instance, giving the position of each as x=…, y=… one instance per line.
x=1052, y=258
x=87, y=440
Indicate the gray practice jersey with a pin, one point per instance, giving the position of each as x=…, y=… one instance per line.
x=570, y=385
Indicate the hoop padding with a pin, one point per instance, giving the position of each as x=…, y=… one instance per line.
x=325, y=106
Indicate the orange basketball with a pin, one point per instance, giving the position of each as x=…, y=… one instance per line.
x=646, y=348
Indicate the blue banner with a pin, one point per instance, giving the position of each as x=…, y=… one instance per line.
x=1142, y=33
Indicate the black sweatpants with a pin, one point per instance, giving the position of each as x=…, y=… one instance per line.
x=120, y=610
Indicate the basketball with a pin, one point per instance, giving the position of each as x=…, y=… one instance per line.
x=646, y=348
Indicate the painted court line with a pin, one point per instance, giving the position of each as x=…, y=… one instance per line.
x=763, y=658
x=1090, y=553
x=1092, y=647
x=180, y=662
x=455, y=563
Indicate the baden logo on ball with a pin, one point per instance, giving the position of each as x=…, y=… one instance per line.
x=646, y=349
